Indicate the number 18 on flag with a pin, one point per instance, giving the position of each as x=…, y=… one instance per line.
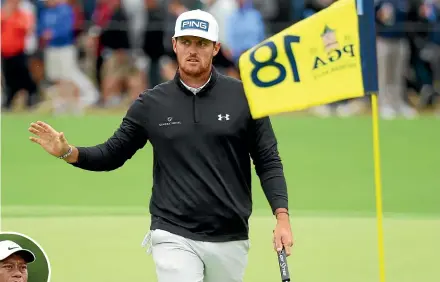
x=316, y=61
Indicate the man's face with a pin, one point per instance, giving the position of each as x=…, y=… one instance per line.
x=13, y=269
x=195, y=54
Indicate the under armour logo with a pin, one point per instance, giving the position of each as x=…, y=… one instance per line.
x=225, y=117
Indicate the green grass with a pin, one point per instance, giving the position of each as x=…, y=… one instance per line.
x=328, y=249
x=329, y=170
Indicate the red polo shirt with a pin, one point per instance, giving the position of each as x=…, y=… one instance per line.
x=14, y=29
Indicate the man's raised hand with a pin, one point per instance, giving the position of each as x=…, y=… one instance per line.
x=49, y=139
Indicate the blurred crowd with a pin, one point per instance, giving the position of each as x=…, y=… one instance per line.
x=77, y=54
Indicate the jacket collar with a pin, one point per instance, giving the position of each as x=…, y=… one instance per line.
x=204, y=91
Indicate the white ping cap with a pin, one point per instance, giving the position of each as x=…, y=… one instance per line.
x=8, y=248
x=197, y=23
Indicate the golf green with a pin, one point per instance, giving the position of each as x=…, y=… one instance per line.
x=328, y=249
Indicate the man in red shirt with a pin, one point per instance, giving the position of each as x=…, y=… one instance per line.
x=16, y=25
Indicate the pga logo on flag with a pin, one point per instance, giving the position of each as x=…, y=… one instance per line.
x=195, y=24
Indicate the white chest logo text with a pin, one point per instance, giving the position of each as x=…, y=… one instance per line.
x=223, y=117
x=170, y=122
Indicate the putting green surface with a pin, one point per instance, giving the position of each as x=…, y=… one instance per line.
x=92, y=224
x=328, y=249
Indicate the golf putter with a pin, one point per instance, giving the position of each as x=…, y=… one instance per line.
x=284, y=269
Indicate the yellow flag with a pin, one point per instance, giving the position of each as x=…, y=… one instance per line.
x=313, y=62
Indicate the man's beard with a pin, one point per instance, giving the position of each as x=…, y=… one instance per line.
x=195, y=70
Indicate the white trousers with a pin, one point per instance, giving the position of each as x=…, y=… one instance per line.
x=393, y=61
x=62, y=64
x=180, y=259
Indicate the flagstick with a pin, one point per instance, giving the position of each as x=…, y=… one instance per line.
x=378, y=184
x=377, y=170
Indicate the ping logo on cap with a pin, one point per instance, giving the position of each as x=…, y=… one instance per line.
x=195, y=24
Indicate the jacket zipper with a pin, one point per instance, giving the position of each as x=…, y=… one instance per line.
x=195, y=113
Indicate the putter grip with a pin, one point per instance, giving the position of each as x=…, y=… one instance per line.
x=284, y=269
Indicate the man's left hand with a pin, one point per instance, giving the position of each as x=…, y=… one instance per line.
x=282, y=235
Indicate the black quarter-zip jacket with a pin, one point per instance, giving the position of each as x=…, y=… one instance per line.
x=203, y=148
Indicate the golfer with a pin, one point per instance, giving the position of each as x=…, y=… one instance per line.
x=203, y=138
x=13, y=262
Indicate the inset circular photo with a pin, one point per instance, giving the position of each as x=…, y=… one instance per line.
x=22, y=259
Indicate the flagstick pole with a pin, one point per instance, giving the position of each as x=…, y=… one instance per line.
x=378, y=185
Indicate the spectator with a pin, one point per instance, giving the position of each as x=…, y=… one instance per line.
x=56, y=30
x=31, y=40
x=393, y=57
x=78, y=18
x=429, y=53
x=16, y=26
x=283, y=16
x=153, y=45
x=137, y=21
x=268, y=10
x=222, y=10
x=115, y=67
x=245, y=29
x=100, y=35
x=88, y=6
x=297, y=8
x=35, y=57
x=79, y=26
x=420, y=75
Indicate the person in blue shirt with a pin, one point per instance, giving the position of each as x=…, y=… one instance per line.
x=56, y=32
x=56, y=24
x=393, y=57
x=244, y=29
